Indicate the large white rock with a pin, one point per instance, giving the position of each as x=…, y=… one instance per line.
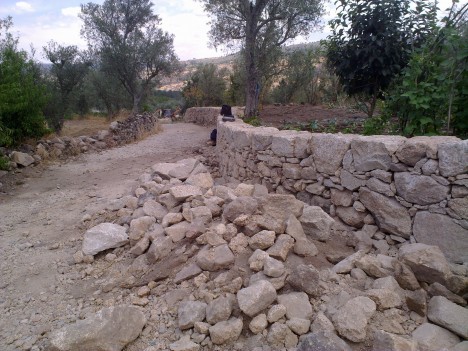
x=215, y=258
x=391, y=217
x=419, y=189
x=297, y=305
x=328, y=151
x=21, y=158
x=431, y=337
x=316, y=222
x=351, y=320
x=110, y=329
x=256, y=297
x=443, y=231
x=226, y=331
x=449, y=315
x=384, y=341
x=427, y=262
x=102, y=237
x=190, y=312
x=182, y=192
x=453, y=158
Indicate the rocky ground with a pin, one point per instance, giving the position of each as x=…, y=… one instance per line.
x=40, y=230
x=177, y=260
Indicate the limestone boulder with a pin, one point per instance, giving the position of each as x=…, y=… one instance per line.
x=390, y=216
x=22, y=159
x=276, y=209
x=139, y=226
x=110, y=329
x=177, y=232
x=226, y=331
x=243, y=205
x=328, y=151
x=183, y=168
x=154, y=209
x=351, y=319
x=427, y=262
x=316, y=223
x=350, y=216
x=440, y=230
x=420, y=189
x=159, y=249
x=190, y=312
x=215, y=258
x=431, y=337
x=201, y=180
x=297, y=305
x=369, y=154
x=102, y=237
x=182, y=192
x=219, y=310
x=453, y=158
x=256, y=297
x=305, y=278
x=323, y=341
x=390, y=342
x=280, y=249
x=460, y=206
x=302, y=246
x=448, y=315
x=262, y=240
x=412, y=151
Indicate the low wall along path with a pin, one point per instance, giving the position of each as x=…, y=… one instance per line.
x=413, y=189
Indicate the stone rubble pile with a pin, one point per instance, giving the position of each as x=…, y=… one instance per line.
x=119, y=133
x=234, y=267
x=410, y=188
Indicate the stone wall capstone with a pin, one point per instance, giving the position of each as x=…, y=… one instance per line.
x=413, y=189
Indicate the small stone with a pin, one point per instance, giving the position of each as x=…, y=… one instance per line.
x=262, y=240
x=276, y=312
x=190, y=312
x=298, y=325
x=259, y=323
x=256, y=297
x=226, y=332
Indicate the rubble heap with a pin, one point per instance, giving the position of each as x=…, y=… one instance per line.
x=234, y=267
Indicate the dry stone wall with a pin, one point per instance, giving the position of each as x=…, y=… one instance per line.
x=413, y=189
x=208, y=116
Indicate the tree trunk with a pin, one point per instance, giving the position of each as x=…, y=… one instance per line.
x=251, y=103
x=136, y=103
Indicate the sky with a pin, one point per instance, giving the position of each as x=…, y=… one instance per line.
x=37, y=22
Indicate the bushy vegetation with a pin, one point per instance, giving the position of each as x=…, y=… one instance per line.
x=22, y=94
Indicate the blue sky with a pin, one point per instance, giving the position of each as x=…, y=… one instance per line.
x=39, y=21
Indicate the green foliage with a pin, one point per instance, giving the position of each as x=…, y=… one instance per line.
x=432, y=92
x=371, y=42
x=130, y=45
x=206, y=86
x=253, y=121
x=22, y=96
x=165, y=100
x=69, y=68
x=4, y=163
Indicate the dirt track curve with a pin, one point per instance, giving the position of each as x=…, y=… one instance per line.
x=39, y=228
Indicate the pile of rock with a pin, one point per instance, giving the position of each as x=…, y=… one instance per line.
x=252, y=270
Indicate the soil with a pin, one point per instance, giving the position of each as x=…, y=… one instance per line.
x=40, y=229
x=280, y=115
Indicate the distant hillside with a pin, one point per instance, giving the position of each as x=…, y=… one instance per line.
x=177, y=81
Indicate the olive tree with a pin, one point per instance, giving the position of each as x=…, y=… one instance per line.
x=69, y=68
x=259, y=27
x=131, y=46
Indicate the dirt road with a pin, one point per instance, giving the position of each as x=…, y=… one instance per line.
x=39, y=229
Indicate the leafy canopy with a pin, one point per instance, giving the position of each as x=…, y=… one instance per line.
x=259, y=28
x=131, y=46
x=372, y=40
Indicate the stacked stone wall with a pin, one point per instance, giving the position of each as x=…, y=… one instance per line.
x=208, y=116
x=414, y=189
